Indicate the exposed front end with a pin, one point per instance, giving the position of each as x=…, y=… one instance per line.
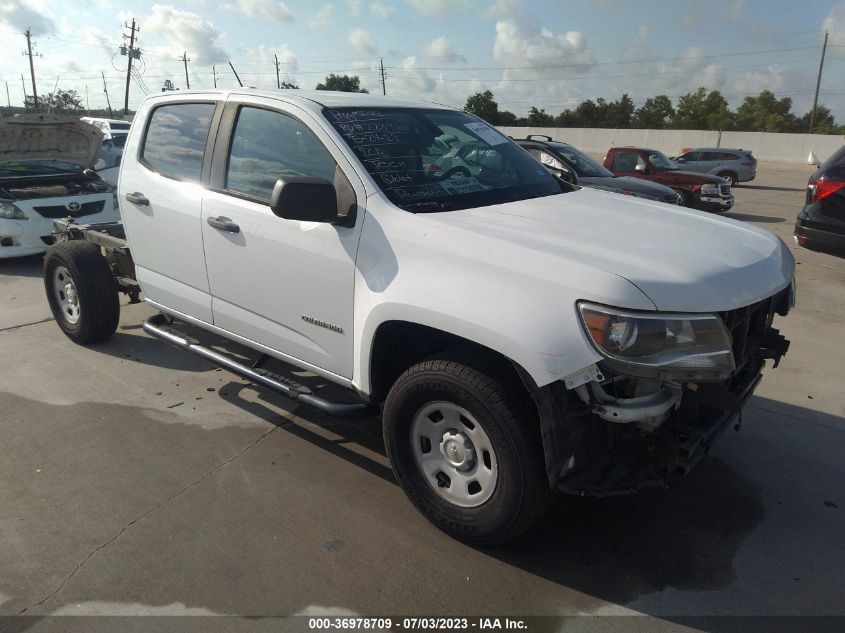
x=668, y=385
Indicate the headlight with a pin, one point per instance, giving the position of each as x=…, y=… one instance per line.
x=676, y=347
x=9, y=211
x=710, y=189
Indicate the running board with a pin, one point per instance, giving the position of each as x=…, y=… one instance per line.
x=159, y=327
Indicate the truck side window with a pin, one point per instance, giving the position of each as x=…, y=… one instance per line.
x=270, y=145
x=626, y=161
x=175, y=140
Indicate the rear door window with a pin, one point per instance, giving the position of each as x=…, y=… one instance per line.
x=710, y=156
x=175, y=141
x=626, y=161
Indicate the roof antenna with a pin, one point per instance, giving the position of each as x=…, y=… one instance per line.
x=240, y=83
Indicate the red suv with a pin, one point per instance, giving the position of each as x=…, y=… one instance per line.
x=700, y=191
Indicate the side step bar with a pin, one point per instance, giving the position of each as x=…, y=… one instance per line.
x=158, y=326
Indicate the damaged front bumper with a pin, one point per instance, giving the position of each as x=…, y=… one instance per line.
x=605, y=433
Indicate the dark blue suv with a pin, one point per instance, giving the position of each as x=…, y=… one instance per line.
x=821, y=223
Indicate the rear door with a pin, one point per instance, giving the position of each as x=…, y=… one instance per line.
x=709, y=162
x=284, y=284
x=161, y=202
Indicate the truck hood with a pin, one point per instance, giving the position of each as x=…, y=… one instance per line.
x=696, y=177
x=627, y=183
x=683, y=260
x=49, y=137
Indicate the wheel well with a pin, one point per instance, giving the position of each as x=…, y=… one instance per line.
x=399, y=344
x=730, y=172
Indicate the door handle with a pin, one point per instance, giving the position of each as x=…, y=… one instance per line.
x=224, y=224
x=138, y=198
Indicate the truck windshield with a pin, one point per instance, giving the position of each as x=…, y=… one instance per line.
x=440, y=160
x=660, y=162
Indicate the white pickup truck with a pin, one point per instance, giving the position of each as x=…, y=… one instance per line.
x=518, y=335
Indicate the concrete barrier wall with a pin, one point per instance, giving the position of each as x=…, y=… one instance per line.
x=768, y=146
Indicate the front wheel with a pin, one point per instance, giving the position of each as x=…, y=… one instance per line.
x=81, y=291
x=466, y=451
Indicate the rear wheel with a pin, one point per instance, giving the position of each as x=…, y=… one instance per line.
x=81, y=291
x=729, y=176
x=466, y=451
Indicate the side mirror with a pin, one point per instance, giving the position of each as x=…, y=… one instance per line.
x=643, y=169
x=304, y=199
x=565, y=175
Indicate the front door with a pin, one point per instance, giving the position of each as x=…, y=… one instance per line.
x=286, y=285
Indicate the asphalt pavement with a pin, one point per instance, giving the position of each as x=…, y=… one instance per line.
x=136, y=479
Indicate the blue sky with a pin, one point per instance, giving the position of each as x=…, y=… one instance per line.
x=552, y=54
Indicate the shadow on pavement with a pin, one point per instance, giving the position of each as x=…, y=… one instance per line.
x=31, y=266
x=755, y=218
x=768, y=188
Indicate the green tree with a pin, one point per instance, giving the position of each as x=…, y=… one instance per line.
x=654, y=114
x=342, y=83
x=539, y=118
x=61, y=101
x=823, y=123
x=701, y=110
x=619, y=113
x=765, y=113
x=567, y=118
x=286, y=85
x=591, y=114
x=482, y=104
x=506, y=118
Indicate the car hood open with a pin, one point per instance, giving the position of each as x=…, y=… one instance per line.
x=683, y=260
x=49, y=137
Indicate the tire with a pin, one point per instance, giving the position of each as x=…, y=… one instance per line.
x=729, y=176
x=506, y=491
x=686, y=196
x=81, y=291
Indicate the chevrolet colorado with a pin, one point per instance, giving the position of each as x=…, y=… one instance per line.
x=518, y=335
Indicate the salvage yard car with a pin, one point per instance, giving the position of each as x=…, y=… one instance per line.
x=572, y=165
x=517, y=335
x=45, y=174
x=699, y=191
x=820, y=225
x=734, y=165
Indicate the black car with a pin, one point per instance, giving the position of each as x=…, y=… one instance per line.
x=576, y=167
x=821, y=223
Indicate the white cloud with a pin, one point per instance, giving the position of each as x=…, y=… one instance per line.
x=265, y=9
x=184, y=31
x=442, y=49
x=20, y=16
x=354, y=6
x=521, y=42
x=438, y=8
x=834, y=23
x=322, y=17
x=381, y=11
x=361, y=41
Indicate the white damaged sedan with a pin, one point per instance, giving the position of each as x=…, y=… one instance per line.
x=45, y=174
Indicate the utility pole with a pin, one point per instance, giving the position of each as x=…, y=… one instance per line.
x=8, y=98
x=106, y=90
x=31, y=67
x=23, y=85
x=130, y=55
x=214, y=74
x=818, y=83
x=278, y=83
x=383, y=86
x=240, y=83
x=185, y=61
